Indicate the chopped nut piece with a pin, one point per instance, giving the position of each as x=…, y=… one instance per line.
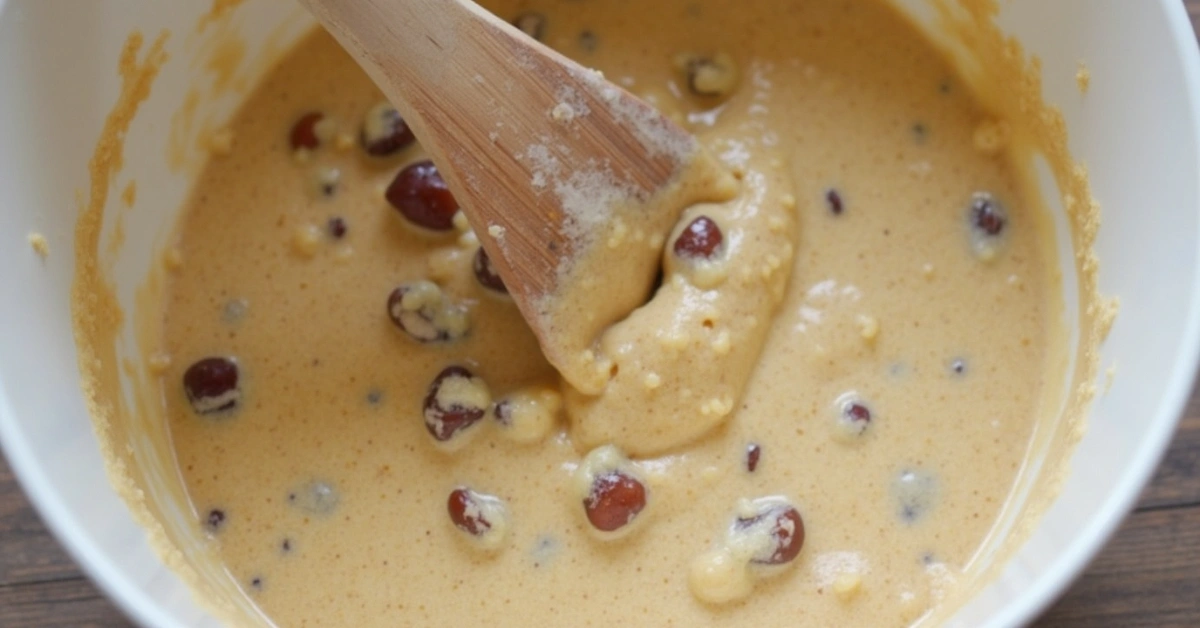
x=446, y=264
x=159, y=363
x=460, y=221
x=426, y=314
x=868, y=327
x=532, y=24
x=306, y=240
x=468, y=240
x=39, y=245
x=710, y=76
x=528, y=416
x=847, y=586
x=722, y=345
x=717, y=406
x=718, y=577
x=563, y=112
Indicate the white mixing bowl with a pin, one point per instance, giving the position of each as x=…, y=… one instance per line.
x=1137, y=130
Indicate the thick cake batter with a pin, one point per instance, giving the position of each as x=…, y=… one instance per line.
x=370, y=436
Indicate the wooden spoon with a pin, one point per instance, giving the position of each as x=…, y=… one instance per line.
x=552, y=165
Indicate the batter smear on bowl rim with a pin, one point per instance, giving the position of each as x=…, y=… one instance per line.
x=819, y=414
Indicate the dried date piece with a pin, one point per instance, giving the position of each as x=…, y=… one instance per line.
x=482, y=518
x=423, y=311
x=615, y=500
x=486, y=273
x=304, y=134
x=701, y=239
x=384, y=131
x=456, y=401
x=777, y=529
x=421, y=195
x=613, y=493
x=211, y=385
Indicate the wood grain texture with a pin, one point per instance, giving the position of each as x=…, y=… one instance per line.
x=1177, y=481
x=73, y=602
x=1149, y=575
x=27, y=551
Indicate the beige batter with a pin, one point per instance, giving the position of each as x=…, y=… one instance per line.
x=870, y=338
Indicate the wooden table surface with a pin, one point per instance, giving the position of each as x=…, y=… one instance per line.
x=1149, y=575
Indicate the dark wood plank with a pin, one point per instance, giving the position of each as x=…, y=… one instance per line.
x=1177, y=481
x=27, y=551
x=1148, y=576
x=60, y=604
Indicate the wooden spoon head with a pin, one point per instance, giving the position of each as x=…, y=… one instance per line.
x=569, y=181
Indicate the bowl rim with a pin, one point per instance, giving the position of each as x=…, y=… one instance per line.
x=71, y=533
x=140, y=607
x=1049, y=585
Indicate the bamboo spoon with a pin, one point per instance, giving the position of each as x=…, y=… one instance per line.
x=542, y=154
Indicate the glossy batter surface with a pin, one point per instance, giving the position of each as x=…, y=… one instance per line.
x=879, y=252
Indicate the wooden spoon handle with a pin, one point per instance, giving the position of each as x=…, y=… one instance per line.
x=421, y=49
